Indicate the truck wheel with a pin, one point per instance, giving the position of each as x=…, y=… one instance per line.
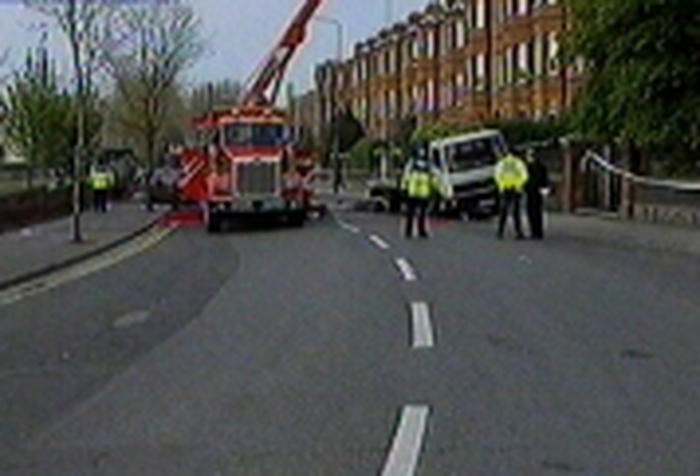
x=297, y=219
x=214, y=222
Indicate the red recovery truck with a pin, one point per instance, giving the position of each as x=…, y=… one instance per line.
x=247, y=165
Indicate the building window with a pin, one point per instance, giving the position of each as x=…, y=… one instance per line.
x=523, y=7
x=553, y=54
x=461, y=33
x=508, y=64
x=538, y=55
x=502, y=73
x=445, y=94
x=430, y=44
x=431, y=103
x=480, y=14
x=459, y=87
x=480, y=73
x=415, y=48
x=416, y=98
x=523, y=72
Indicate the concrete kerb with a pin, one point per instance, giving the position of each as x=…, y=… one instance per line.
x=88, y=254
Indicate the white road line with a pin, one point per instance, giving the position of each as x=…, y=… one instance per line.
x=348, y=227
x=406, y=269
x=423, y=337
x=93, y=265
x=406, y=447
x=379, y=242
x=131, y=319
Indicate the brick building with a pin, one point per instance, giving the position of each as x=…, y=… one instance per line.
x=459, y=61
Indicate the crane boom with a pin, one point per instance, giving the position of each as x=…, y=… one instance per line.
x=265, y=84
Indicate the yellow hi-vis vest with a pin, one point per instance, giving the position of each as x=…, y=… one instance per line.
x=100, y=180
x=419, y=184
x=511, y=173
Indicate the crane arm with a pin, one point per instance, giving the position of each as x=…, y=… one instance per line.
x=265, y=84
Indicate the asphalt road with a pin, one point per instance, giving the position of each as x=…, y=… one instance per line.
x=342, y=348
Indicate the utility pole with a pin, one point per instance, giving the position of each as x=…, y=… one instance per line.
x=335, y=110
x=388, y=148
x=77, y=50
x=388, y=11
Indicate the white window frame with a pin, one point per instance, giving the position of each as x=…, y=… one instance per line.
x=523, y=66
x=480, y=17
x=480, y=73
x=431, y=100
x=523, y=7
x=553, y=54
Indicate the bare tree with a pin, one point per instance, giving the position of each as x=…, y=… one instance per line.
x=149, y=46
x=220, y=94
x=82, y=22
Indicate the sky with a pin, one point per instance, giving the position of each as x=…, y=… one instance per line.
x=238, y=32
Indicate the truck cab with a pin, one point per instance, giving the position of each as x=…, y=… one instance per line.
x=248, y=161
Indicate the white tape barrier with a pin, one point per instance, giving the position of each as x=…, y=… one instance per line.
x=682, y=186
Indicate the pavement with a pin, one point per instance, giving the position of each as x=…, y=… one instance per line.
x=626, y=233
x=39, y=249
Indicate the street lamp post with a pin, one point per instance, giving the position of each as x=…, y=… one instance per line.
x=337, y=179
x=388, y=11
x=340, y=33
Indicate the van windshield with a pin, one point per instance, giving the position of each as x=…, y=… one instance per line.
x=474, y=154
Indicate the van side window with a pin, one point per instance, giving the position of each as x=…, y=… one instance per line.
x=436, y=158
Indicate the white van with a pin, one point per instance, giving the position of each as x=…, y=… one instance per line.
x=467, y=163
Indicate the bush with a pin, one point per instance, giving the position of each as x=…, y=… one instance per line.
x=524, y=131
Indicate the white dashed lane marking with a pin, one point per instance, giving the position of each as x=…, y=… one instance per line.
x=406, y=447
x=379, y=242
x=131, y=319
x=406, y=269
x=80, y=270
x=423, y=336
x=348, y=227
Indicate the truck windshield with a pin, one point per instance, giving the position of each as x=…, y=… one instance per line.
x=255, y=135
x=474, y=154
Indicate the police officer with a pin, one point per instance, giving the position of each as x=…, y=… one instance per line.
x=420, y=184
x=511, y=176
x=100, y=183
x=536, y=187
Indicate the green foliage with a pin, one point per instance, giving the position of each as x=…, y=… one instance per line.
x=347, y=129
x=367, y=154
x=434, y=131
x=643, y=72
x=362, y=154
x=524, y=131
x=39, y=121
x=407, y=126
x=515, y=131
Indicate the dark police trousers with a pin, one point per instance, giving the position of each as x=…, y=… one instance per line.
x=99, y=197
x=416, y=208
x=510, y=202
x=534, y=213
